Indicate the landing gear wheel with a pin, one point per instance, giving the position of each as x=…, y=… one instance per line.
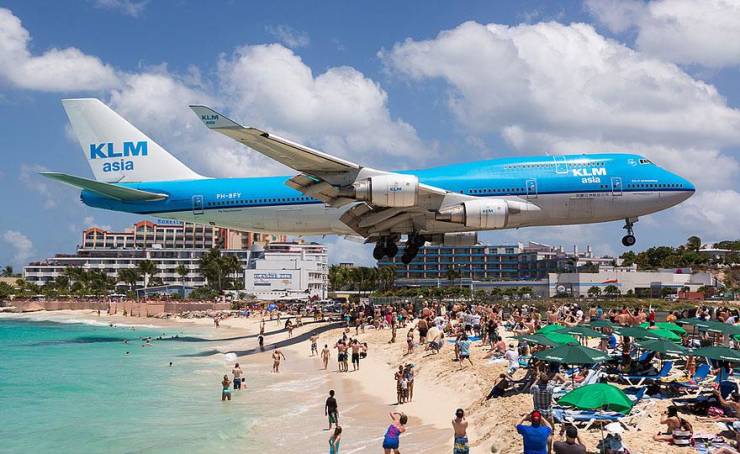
x=391, y=249
x=379, y=251
x=629, y=240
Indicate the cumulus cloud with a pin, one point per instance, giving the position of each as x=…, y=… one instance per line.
x=288, y=36
x=20, y=244
x=703, y=32
x=549, y=85
x=32, y=180
x=711, y=213
x=127, y=7
x=55, y=70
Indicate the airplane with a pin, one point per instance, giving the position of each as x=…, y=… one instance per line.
x=329, y=195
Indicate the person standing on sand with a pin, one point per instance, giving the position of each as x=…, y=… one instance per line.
x=261, y=340
x=276, y=354
x=237, y=373
x=464, y=350
x=262, y=327
x=392, y=437
x=325, y=353
x=356, y=355
x=409, y=376
x=225, y=390
x=341, y=353
x=536, y=436
x=330, y=409
x=334, y=440
x=398, y=376
x=460, y=427
x=314, y=348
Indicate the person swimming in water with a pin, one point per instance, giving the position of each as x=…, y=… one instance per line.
x=391, y=439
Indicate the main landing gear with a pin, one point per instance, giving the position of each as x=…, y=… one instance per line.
x=413, y=244
x=629, y=239
x=385, y=247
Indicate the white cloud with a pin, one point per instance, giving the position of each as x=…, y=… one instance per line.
x=288, y=36
x=21, y=245
x=703, y=32
x=565, y=87
x=31, y=179
x=127, y=7
x=339, y=111
x=713, y=214
x=55, y=70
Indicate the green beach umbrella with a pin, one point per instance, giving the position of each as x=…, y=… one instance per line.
x=548, y=339
x=580, y=331
x=718, y=353
x=596, y=397
x=662, y=334
x=666, y=325
x=662, y=346
x=572, y=353
x=633, y=331
x=539, y=339
x=601, y=323
x=549, y=328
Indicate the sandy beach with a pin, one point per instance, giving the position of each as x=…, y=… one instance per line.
x=367, y=396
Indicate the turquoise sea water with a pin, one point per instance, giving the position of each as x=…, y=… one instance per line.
x=71, y=387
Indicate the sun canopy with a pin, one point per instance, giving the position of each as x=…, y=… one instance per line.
x=667, y=326
x=662, y=346
x=599, y=396
x=572, y=353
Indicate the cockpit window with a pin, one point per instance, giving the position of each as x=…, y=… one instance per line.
x=645, y=161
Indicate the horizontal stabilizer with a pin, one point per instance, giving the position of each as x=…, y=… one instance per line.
x=106, y=189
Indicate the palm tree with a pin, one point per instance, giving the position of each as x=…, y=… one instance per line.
x=693, y=243
x=611, y=290
x=7, y=271
x=147, y=268
x=181, y=271
x=594, y=291
x=453, y=274
x=129, y=276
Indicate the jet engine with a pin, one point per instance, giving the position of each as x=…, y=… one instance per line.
x=479, y=214
x=392, y=190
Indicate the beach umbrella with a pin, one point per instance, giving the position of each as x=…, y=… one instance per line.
x=662, y=334
x=633, y=331
x=598, y=396
x=549, y=328
x=548, y=339
x=662, y=346
x=666, y=325
x=601, y=323
x=580, y=331
x=717, y=353
x=572, y=353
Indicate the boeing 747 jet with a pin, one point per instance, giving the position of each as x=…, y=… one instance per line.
x=330, y=195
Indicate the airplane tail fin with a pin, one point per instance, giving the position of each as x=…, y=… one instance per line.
x=116, y=150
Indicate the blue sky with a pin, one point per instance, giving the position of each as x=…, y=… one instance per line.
x=389, y=84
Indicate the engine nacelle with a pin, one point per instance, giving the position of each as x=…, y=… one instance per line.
x=392, y=190
x=478, y=214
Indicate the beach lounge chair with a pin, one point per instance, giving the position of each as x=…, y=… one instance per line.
x=701, y=374
x=637, y=380
x=586, y=418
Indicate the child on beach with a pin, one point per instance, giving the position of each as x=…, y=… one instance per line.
x=334, y=440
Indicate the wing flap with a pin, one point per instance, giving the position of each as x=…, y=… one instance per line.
x=106, y=189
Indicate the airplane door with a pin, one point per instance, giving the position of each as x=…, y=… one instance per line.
x=197, y=204
x=531, y=188
x=560, y=165
x=617, y=186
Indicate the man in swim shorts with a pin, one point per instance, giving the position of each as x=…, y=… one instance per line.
x=330, y=409
x=460, y=426
x=356, y=355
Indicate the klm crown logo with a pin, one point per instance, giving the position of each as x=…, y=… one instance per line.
x=108, y=150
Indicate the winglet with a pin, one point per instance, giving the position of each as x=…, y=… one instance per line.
x=213, y=119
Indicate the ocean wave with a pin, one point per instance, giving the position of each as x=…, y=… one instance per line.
x=59, y=318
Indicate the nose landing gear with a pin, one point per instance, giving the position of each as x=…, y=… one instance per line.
x=629, y=239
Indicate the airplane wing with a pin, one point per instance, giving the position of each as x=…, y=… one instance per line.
x=334, y=180
x=112, y=191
